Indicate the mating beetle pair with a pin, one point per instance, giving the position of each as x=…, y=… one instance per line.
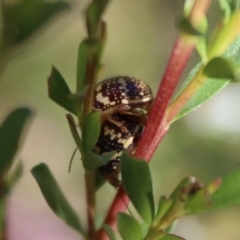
x=124, y=103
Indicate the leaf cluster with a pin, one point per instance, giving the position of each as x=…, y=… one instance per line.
x=189, y=197
x=219, y=54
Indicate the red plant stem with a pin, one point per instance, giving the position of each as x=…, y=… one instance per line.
x=152, y=134
x=119, y=205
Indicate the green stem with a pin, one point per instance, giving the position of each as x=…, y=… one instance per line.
x=175, y=212
x=184, y=97
x=91, y=82
x=91, y=202
x=226, y=36
x=224, y=39
x=91, y=73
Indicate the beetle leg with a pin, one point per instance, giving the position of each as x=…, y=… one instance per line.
x=121, y=126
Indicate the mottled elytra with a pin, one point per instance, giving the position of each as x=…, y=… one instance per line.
x=124, y=103
x=112, y=138
x=120, y=94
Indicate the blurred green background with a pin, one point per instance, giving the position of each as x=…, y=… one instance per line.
x=204, y=144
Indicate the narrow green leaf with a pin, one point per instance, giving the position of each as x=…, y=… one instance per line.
x=99, y=180
x=185, y=183
x=202, y=48
x=128, y=227
x=93, y=15
x=89, y=53
x=106, y=157
x=91, y=130
x=83, y=53
x=212, y=86
x=164, y=205
x=219, y=68
x=109, y=232
x=137, y=182
x=55, y=198
x=225, y=7
x=11, y=133
x=59, y=91
x=144, y=229
x=172, y=237
x=199, y=202
x=74, y=132
x=92, y=161
x=188, y=4
x=235, y=5
x=22, y=18
x=15, y=175
x=229, y=192
x=208, y=90
x=228, y=7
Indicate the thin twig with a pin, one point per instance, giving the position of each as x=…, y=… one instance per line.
x=91, y=209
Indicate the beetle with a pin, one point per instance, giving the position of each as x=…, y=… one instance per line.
x=111, y=138
x=124, y=103
x=121, y=94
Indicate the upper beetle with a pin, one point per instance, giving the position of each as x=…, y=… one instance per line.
x=121, y=94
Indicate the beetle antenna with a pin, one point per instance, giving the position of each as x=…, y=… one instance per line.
x=70, y=164
x=127, y=207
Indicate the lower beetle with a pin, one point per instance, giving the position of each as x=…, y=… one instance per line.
x=124, y=103
x=111, y=138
